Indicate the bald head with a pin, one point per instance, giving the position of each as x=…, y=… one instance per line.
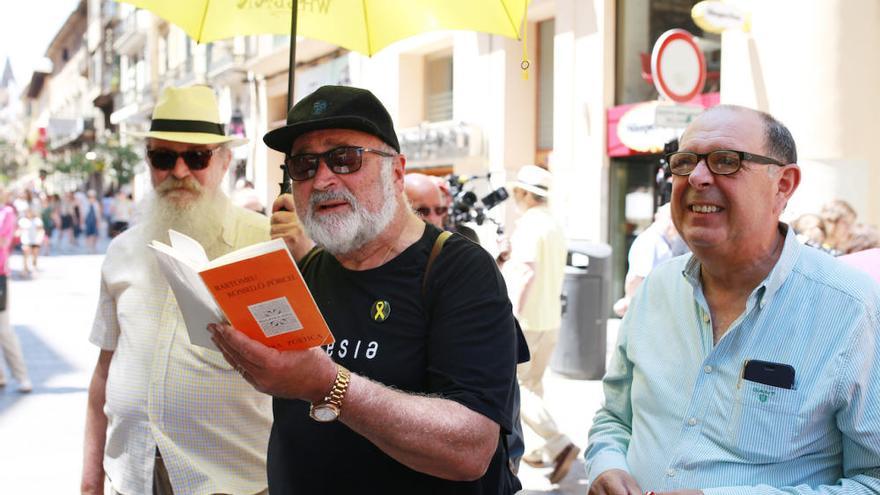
x=778, y=141
x=425, y=197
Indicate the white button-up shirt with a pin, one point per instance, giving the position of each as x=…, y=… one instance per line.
x=210, y=425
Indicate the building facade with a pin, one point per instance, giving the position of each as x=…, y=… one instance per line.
x=462, y=103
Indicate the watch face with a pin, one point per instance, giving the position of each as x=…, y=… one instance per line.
x=325, y=413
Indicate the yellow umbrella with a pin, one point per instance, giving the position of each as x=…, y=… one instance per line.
x=364, y=26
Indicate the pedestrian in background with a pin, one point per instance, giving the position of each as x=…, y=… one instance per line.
x=108, y=204
x=753, y=365
x=809, y=228
x=30, y=234
x=861, y=237
x=838, y=218
x=425, y=198
x=121, y=216
x=8, y=339
x=48, y=218
x=165, y=416
x=92, y=220
x=534, y=274
x=79, y=209
x=67, y=211
x=658, y=243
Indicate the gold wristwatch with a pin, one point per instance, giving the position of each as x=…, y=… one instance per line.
x=329, y=409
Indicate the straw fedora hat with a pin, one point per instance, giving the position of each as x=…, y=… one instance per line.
x=188, y=115
x=533, y=179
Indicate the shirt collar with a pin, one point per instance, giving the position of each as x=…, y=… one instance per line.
x=791, y=250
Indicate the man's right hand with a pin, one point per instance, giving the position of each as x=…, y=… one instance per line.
x=286, y=225
x=614, y=482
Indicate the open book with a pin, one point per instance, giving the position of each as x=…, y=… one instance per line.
x=258, y=289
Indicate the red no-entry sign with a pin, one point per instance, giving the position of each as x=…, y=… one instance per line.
x=678, y=66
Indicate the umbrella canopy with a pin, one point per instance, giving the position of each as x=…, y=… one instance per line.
x=363, y=26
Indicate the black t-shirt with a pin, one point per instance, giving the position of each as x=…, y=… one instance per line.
x=456, y=341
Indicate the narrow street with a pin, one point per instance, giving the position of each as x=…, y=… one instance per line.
x=41, y=432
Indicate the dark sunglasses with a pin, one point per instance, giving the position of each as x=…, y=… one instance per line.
x=425, y=211
x=342, y=160
x=720, y=162
x=162, y=159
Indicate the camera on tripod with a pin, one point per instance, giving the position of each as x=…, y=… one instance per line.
x=467, y=207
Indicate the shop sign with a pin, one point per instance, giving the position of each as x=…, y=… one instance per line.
x=714, y=16
x=638, y=129
x=676, y=116
x=678, y=66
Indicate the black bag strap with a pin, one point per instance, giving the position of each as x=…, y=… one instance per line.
x=435, y=251
x=308, y=257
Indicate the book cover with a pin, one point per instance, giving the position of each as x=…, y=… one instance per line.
x=258, y=289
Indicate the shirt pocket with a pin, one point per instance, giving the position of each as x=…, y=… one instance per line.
x=763, y=422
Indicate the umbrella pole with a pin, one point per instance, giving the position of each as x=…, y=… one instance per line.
x=291, y=76
x=291, y=73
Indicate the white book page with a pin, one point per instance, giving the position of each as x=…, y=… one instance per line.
x=194, y=300
x=188, y=247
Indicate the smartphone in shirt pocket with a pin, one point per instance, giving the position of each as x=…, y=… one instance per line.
x=762, y=422
x=764, y=372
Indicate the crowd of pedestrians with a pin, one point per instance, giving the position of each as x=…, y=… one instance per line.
x=67, y=223
x=836, y=229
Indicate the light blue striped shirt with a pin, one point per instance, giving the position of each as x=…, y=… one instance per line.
x=678, y=415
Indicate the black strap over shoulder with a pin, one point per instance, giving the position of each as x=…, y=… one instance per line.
x=435, y=251
x=309, y=256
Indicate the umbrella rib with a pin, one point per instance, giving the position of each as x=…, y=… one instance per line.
x=367, y=28
x=202, y=24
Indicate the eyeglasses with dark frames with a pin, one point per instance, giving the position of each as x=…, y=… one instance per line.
x=342, y=160
x=425, y=211
x=719, y=162
x=164, y=159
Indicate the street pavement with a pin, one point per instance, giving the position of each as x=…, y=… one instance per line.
x=41, y=432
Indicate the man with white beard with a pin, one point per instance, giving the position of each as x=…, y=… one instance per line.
x=430, y=340
x=163, y=415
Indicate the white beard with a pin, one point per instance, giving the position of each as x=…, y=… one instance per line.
x=202, y=219
x=343, y=233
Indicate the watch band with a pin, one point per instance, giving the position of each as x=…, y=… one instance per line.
x=337, y=393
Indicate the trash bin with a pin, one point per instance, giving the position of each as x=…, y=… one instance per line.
x=586, y=304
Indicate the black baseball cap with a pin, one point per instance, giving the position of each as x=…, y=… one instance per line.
x=334, y=107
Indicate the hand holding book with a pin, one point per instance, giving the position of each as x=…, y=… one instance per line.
x=257, y=289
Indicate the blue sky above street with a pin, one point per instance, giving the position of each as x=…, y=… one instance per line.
x=26, y=29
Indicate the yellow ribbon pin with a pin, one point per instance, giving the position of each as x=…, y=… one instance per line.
x=381, y=311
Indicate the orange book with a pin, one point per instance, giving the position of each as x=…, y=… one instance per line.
x=258, y=289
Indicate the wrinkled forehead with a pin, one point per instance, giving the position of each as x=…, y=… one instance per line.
x=327, y=139
x=425, y=198
x=724, y=128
